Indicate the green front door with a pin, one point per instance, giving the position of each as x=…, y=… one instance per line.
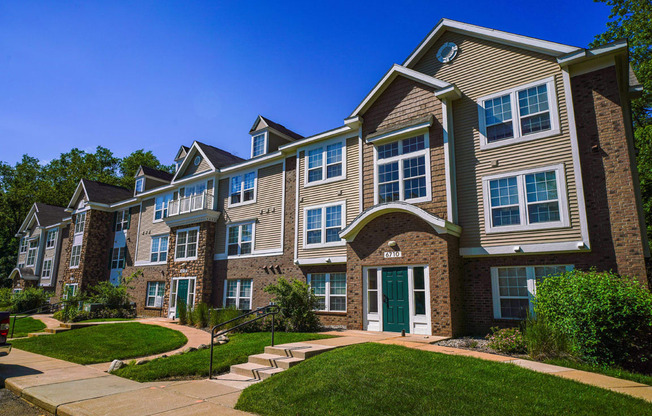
x=396, y=304
x=182, y=294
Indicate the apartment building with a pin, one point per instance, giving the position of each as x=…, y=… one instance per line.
x=485, y=161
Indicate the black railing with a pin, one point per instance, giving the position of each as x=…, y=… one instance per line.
x=260, y=313
x=47, y=308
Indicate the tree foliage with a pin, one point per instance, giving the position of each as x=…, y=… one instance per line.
x=29, y=181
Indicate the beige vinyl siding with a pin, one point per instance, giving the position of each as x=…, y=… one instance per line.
x=344, y=190
x=191, y=169
x=148, y=228
x=151, y=183
x=482, y=68
x=274, y=141
x=267, y=211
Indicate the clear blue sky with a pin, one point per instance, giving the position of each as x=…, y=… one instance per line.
x=158, y=74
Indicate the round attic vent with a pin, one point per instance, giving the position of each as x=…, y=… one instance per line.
x=197, y=160
x=447, y=52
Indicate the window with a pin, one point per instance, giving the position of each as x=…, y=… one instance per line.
x=122, y=220
x=532, y=199
x=23, y=245
x=80, y=222
x=197, y=160
x=21, y=265
x=403, y=170
x=419, y=289
x=238, y=294
x=330, y=290
x=325, y=163
x=140, y=184
x=69, y=290
x=155, y=291
x=161, y=207
x=47, y=268
x=514, y=287
x=243, y=188
x=240, y=239
x=523, y=113
x=51, y=239
x=323, y=225
x=159, y=249
x=372, y=291
x=31, y=252
x=187, y=244
x=118, y=258
x=259, y=144
x=75, y=256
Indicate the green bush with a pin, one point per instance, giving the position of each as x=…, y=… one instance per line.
x=28, y=299
x=182, y=312
x=507, y=340
x=607, y=318
x=5, y=297
x=201, y=315
x=111, y=297
x=297, y=305
x=543, y=341
x=191, y=316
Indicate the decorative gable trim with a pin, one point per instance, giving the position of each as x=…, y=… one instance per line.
x=189, y=156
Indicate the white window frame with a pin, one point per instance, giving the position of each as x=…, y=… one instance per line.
x=531, y=286
x=237, y=297
x=122, y=218
x=140, y=185
x=80, y=222
x=399, y=158
x=176, y=243
x=47, y=271
x=74, y=286
x=323, y=242
x=73, y=256
x=158, y=253
x=324, y=166
x=265, y=146
x=156, y=297
x=21, y=265
x=192, y=294
x=23, y=245
x=120, y=259
x=32, y=250
x=327, y=296
x=51, y=238
x=516, y=118
x=242, y=189
x=562, y=194
x=239, y=226
x=165, y=201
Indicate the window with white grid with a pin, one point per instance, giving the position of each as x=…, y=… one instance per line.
x=323, y=224
x=159, y=251
x=238, y=294
x=51, y=240
x=240, y=239
x=403, y=171
x=325, y=163
x=330, y=290
x=243, y=188
x=155, y=291
x=186, y=244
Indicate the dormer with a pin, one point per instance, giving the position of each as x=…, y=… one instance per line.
x=180, y=157
x=267, y=136
x=149, y=178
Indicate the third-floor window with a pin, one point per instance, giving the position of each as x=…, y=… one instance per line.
x=243, y=188
x=80, y=222
x=325, y=163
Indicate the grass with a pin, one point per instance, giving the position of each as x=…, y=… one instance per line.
x=375, y=379
x=103, y=343
x=607, y=371
x=195, y=364
x=26, y=325
x=105, y=320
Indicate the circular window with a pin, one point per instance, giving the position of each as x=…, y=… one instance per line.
x=197, y=160
x=447, y=52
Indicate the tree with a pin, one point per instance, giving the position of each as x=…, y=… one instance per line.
x=129, y=166
x=630, y=19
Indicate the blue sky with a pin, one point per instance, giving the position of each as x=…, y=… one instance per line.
x=158, y=74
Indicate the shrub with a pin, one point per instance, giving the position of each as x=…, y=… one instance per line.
x=544, y=341
x=507, y=340
x=190, y=316
x=608, y=318
x=28, y=299
x=201, y=314
x=297, y=305
x=5, y=297
x=111, y=297
x=182, y=312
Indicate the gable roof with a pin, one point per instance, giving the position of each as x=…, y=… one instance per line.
x=155, y=173
x=49, y=214
x=506, y=38
x=218, y=157
x=183, y=151
x=105, y=193
x=275, y=126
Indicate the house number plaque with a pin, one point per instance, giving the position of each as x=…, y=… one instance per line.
x=392, y=254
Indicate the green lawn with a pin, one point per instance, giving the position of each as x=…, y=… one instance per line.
x=103, y=343
x=374, y=379
x=607, y=371
x=105, y=320
x=195, y=364
x=26, y=325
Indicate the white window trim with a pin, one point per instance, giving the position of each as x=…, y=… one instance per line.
x=21, y=265
x=51, y=260
x=147, y=297
x=122, y=218
x=253, y=238
x=23, y=245
x=237, y=293
x=176, y=242
x=173, y=293
x=164, y=209
x=516, y=122
x=242, y=202
x=324, y=145
x=151, y=245
x=401, y=185
x=327, y=297
x=531, y=286
x=75, y=286
x=72, y=251
x=323, y=243
x=29, y=250
x=140, y=183
x=55, y=232
x=266, y=141
x=562, y=192
x=76, y=221
x=121, y=258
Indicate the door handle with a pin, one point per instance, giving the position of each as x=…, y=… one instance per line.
x=385, y=299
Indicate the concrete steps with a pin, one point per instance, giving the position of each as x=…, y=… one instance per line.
x=37, y=334
x=56, y=330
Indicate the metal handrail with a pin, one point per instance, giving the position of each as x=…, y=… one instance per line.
x=41, y=309
x=260, y=313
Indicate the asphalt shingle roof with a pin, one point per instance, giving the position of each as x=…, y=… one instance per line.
x=105, y=193
x=50, y=214
x=159, y=174
x=218, y=157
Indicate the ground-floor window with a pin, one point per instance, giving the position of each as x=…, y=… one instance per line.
x=514, y=287
x=155, y=292
x=69, y=290
x=238, y=294
x=330, y=290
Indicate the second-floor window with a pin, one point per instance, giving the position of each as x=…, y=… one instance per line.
x=51, y=240
x=243, y=188
x=159, y=248
x=323, y=225
x=532, y=199
x=186, y=244
x=23, y=245
x=75, y=256
x=118, y=258
x=47, y=268
x=161, y=206
x=259, y=145
x=31, y=253
x=325, y=163
x=403, y=170
x=80, y=222
x=240, y=239
x=122, y=220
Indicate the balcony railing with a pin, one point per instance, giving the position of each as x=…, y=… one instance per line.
x=190, y=203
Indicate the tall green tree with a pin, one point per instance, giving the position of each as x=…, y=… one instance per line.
x=129, y=166
x=632, y=20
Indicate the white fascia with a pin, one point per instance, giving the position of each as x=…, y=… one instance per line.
x=586, y=54
x=515, y=249
x=186, y=161
x=320, y=261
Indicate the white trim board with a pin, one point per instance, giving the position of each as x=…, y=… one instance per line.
x=537, y=248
